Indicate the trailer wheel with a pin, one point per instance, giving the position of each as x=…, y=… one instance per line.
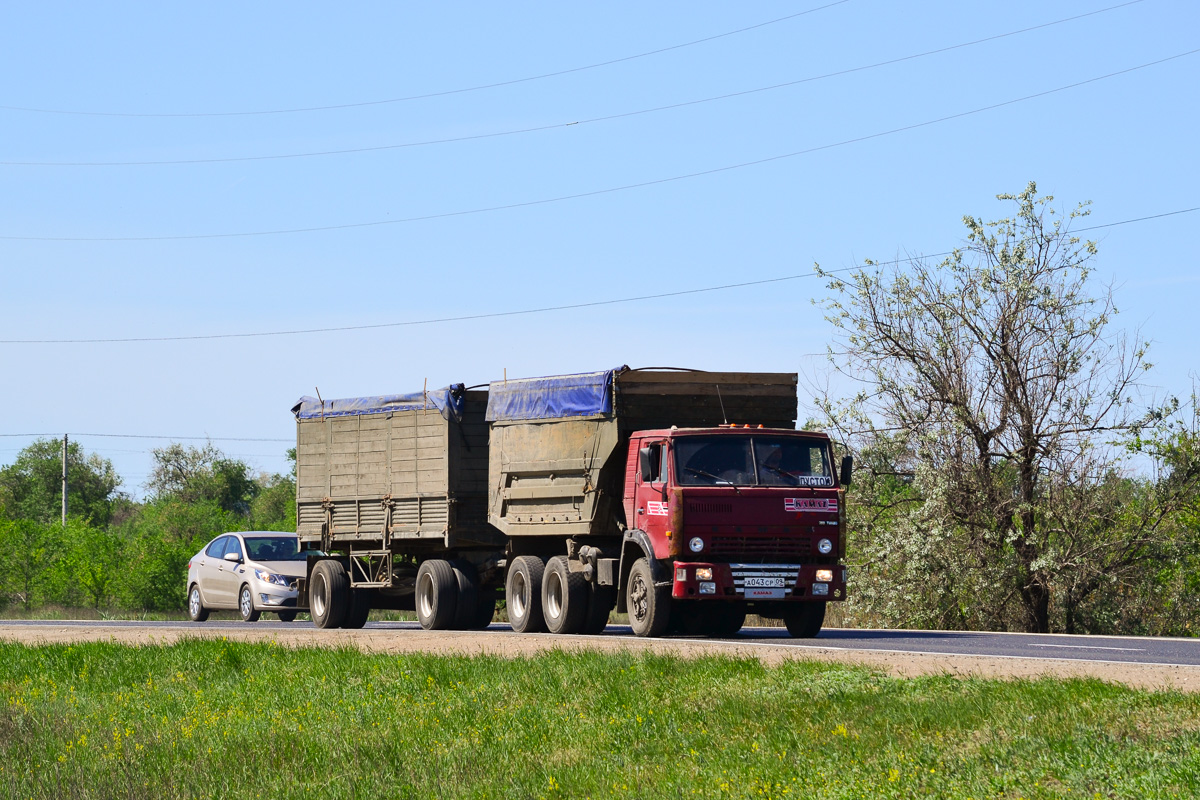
x=467, y=605
x=437, y=594
x=601, y=600
x=805, y=620
x=329, y=593
x=564, y=597
x=485, y=611
x=359, y=609
x=196, y=610
x=523, y=594
x=649, y=605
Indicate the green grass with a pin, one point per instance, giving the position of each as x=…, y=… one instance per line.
x=225, y=719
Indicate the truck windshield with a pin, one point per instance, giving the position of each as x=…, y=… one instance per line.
x=751, y=461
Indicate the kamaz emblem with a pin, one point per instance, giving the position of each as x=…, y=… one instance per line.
x=810, y=504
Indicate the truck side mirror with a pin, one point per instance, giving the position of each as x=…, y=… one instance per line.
x=644, y=464
x=847, y=469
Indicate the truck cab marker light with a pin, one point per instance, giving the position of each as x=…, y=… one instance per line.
x=825, y=547
x=681, y=573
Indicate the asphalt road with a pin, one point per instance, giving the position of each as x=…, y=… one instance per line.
x=1103, y=649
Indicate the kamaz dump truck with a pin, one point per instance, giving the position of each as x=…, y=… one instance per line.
x=685, y=499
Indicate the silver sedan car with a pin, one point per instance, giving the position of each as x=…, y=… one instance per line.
x=250, y=571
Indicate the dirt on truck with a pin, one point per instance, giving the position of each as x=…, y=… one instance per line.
x=683, y=498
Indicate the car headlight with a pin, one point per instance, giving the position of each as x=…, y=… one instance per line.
x=696, y=544
x=825, y=546
x=270, y=577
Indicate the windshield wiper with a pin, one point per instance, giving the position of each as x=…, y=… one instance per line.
x=794, y=478
x=718, y=481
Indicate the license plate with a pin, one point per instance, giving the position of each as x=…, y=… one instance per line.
x=774, y=583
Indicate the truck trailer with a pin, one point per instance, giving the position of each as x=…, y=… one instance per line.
x=683, y=498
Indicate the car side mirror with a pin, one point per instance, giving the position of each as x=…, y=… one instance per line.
x=847, y=469
x=644, y=464
x=233, y=557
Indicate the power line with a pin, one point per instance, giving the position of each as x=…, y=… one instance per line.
x=598, y=192
x=521, y=312
x=147, y=436
x=442, y=93
x=557, y=125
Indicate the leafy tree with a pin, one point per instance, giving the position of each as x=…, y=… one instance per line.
x=31, y=487
x=28, y=551
x=198, y=474
x=994, y=376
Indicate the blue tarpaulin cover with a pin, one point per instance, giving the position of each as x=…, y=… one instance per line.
x=583, y=395
x=447, y=401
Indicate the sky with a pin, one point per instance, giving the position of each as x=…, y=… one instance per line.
x=500, y=154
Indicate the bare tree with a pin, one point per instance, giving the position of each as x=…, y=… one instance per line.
x=997, y=372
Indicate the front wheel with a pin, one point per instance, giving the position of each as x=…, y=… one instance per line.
x=196, y=610
x=246, y=605
x=804, y=620
x=649, y=605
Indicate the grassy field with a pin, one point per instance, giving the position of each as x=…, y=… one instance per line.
x=223, y=719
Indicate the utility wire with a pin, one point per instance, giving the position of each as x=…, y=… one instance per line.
x=598, y=192
x=527, y=311
x=443, y=93
x=557, y=125
x=146, y=436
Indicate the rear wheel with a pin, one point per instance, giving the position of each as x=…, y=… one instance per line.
x=196, y=610
x=485, y=610
x=437, y=594
x=467, y=605
x=329, y=594
x=601, y=600
x=649, y=605
x=523, y=594
x=804, y=620
x=564, y=597
x=246, y=605
x=359, y=610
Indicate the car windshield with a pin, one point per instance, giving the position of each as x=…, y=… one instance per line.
x=751, y=461
x=275, y=548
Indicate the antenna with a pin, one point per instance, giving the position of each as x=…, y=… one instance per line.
x=724, y=419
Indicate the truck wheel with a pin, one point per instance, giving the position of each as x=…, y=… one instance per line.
x=804, y=621
x=467, y=604
x=246, y=605
x=649, y=605
x=485, y=610
x=287, y=616
x=329, y=593
x=601, y=600
x=726, y=619
x=359, y=610
x=437, y=594
x=196, y=610
x=564, y=597
x=523, y=594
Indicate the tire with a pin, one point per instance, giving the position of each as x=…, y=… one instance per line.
x=724, y=620
x=564, y=597
x=601, y=600
x=523, y=594
x=466, y=606
x=246, y=605
x=436, y=594
x=287, y=616
x=196, y=610
x=328, y=594
x=359, y=610
x=485, y=610
x=805, y=620
x=649, y=605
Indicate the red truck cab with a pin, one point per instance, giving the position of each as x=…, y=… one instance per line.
x=741, y=519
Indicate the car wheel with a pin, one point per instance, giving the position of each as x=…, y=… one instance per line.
x=360, y=609
x=246, y=605
x=437, y=594
x=804, y=620
x=523, y=594
x=196, y=610
x=564, y=597
x=649, y=605
x=287, y=616
x=328, y=593
x=601, y=600
x=466, y=605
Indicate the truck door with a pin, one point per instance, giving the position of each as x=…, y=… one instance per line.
x=651, y=497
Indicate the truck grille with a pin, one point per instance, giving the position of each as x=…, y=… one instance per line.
x=764, y=548
x=710, y=507
x=789, y=573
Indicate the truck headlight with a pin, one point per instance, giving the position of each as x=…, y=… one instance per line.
x=825, y=547
x=696, y=544
x=704, y=573
x=708, y=587
x=825, y=575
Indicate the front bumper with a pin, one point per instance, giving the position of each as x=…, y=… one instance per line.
x=272, y=595
x=758, y=582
